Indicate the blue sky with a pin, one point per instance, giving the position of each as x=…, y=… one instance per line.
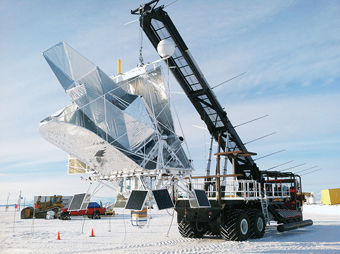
x=290, y=51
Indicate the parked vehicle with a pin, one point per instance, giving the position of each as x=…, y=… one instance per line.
x=93, y=211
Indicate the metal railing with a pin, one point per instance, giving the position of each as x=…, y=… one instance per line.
x=275, y=190
x=238, y=190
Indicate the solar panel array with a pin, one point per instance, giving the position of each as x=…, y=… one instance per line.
x=136, y=200
x=199, y=199
x=163, y=199
x=202, y=198
x=78, y=202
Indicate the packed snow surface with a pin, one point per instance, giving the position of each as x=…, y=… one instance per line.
x=160, y=235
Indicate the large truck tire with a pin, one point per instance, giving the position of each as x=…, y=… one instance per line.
x=185, y=229
x=236, y=226
x=257, y=223
x=260, y=225
x=213, y=232
x=191, y=230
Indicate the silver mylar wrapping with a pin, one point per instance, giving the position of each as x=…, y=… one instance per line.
x=110, y=127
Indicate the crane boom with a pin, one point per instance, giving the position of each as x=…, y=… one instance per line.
x=158, y=26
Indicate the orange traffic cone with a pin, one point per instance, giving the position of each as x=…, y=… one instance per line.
x=92, y=235
x=58, y=238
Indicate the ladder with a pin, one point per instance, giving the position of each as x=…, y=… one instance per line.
x=264, y=206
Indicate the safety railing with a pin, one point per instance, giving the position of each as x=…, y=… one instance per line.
x=276, y=190
x=231, y=189
x=237, y=189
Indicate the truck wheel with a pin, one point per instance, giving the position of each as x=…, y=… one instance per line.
x=198, y=229
x=96, y=215
x=237, y=226
x=257, y=223
x=191, y=230
x=213, y=231
x=260, y=225
x=64, y=216
x=184, y=229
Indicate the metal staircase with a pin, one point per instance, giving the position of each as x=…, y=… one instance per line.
x=282, y=214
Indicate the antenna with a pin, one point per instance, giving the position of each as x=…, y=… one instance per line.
x=141, y=44
x=200, y=127
x=128, y=23
x=251, y=121
x=307, y=169
x=228, y=80
x=280, y=165
x=293, y=167
x=311, y=172
x=269, y=154
x=170, y=4
x=259, y=138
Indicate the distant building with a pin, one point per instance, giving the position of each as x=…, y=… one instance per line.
x=330, y=196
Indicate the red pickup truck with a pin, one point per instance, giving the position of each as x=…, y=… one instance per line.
x=93, y=211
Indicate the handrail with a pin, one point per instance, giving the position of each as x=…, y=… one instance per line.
x=238, y=189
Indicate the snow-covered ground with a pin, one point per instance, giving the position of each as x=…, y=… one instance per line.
x=117, y=235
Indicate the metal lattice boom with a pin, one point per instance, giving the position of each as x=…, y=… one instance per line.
x=158, y=26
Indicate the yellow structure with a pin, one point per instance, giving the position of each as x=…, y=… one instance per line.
x=119, y=67
x=330, y=196
x=110, y=213
x=76, y=166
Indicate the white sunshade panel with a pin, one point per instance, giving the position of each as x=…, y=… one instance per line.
x=72, y=69
x=107, y=116
x=138, y=110
x=67, y=64
x=85, y=145
x=150, y=86
x=87, y=91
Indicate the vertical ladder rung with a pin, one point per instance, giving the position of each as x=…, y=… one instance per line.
x=264, y=206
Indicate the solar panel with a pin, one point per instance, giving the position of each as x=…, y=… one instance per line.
x=136, y=200
x=163, y=199
x=202, y=198
x=193, y=201
x=120, y=202
x=78, y=202
x=198, y=199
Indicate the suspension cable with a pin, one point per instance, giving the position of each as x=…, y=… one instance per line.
x=179, y=123
x=140, y=64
